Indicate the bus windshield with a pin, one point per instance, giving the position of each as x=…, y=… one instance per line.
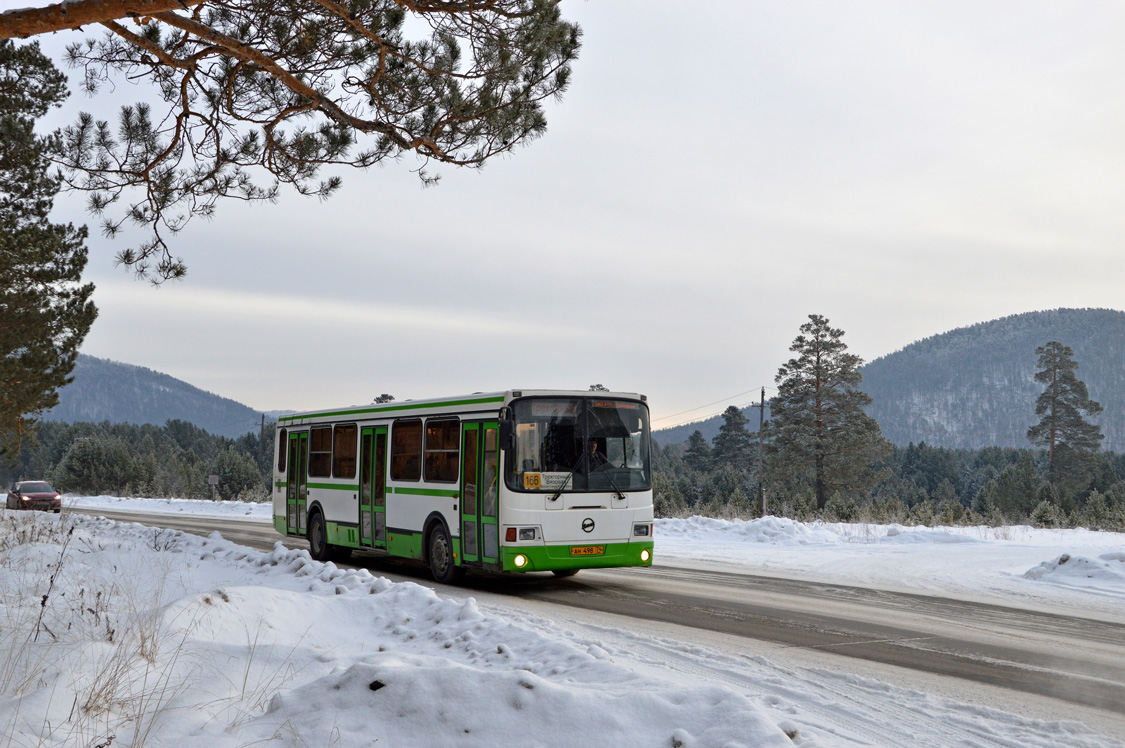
x=580, y=444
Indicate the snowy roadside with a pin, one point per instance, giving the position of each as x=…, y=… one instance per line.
x=162, y=638
x=159, y=638
x=1061, y=570
x=231, y=509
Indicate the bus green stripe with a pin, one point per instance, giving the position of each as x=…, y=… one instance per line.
x=391, y=408
x=424, y=492
x=546, y=558
x=445, y=494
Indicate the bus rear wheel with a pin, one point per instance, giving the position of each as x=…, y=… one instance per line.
x=442, y=565
x=564, y=572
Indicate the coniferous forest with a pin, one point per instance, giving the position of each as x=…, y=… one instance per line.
x=917, y=484
x=174, y=460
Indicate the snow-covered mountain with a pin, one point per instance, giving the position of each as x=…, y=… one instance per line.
x=974, y=386
x=105, y=390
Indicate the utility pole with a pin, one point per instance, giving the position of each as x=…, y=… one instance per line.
x=761, y=450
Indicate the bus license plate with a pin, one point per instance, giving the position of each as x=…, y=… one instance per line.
x=587, y=550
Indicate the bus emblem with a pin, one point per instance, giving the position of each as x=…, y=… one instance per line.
x=587, y=525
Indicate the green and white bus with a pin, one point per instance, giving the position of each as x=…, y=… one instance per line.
x=516, y=481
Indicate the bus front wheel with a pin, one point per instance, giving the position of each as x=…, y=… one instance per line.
x=442, y=565
x=318, y=542
x=318, y=538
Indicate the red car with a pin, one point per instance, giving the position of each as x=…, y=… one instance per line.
x=34, y=494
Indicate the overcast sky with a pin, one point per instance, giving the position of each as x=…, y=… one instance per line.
x=717, y=172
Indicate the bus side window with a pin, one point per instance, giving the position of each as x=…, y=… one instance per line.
x=282, y=449
x=343, y=451
x=320, y=452
x=442, y=449
x=406, y=450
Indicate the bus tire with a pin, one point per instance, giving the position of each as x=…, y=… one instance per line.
x=440, y=555
x=564, y=572
x=318, y=537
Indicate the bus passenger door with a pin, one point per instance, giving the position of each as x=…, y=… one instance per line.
x=297, y=487
x=470, y=482
x=480, y=539
x=490, y=493
x=373, y=487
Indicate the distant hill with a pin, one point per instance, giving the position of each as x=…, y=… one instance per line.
x=105, y=390
x=974, y=386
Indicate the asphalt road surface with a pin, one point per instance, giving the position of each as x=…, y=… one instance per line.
x=1075, y=659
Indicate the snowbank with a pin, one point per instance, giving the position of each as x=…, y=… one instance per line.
x=1106, y=573
x=776, y=530
x=161, y=638
x=231, y=509
x=979, y=562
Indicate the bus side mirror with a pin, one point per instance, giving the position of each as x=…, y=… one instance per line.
x=507, y=435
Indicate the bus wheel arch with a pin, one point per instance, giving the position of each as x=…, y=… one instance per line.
x=316, y=533
x=319, y=547
x=437, y=550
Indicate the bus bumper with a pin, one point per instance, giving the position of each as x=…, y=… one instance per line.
x=552, y=557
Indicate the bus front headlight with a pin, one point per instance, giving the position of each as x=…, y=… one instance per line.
x=645, y=555
x=520, y=561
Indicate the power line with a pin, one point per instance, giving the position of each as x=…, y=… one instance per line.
x=708, y=405
x=711, y=415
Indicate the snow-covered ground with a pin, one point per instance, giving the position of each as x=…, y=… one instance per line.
x=151, y=637
x=117, y=634
x=1064, y=570
x=231, y=509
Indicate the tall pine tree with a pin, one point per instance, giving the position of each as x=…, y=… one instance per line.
x=44, y=311
x=1069, y=438
x=818, y=429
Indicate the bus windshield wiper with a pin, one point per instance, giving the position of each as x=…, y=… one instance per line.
x=612, y=482
x=568, y=477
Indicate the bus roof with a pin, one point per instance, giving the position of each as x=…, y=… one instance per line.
x=475, y=402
